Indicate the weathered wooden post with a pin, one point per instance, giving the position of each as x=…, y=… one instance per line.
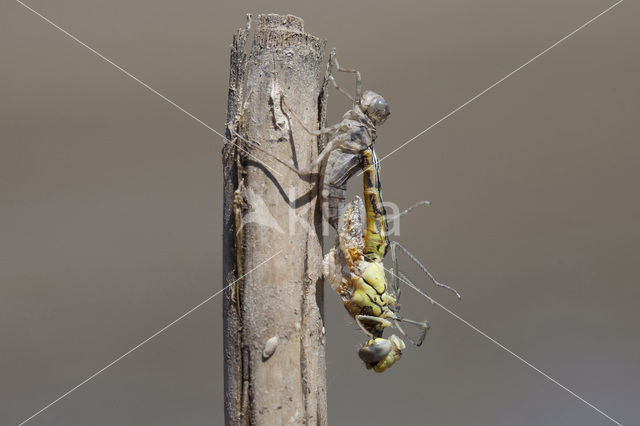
x=273, y=328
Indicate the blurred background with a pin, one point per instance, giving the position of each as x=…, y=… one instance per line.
x=110, y=208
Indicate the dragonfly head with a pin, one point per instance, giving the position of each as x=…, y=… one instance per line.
x=374, y=106
x=380, y=353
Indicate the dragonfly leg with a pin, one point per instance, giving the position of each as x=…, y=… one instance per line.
x=424, y=325
x=396, y=245
x=333, y=144
x=396, y=276
x=318, y=132
x=359, y=318
x=256, y=145
x=410, y=209
x=350, y=70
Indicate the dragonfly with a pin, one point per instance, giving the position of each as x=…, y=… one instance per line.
x=354, y=266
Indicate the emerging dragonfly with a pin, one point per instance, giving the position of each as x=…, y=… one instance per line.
x=355, y=271
x=354, y=266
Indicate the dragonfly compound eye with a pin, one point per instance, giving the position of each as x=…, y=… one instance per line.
x=380, y=354
x=374, y=350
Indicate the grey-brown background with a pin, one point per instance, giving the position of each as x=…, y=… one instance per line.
x=110, y=208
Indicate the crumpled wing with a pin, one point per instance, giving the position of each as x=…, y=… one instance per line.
x=346, y=256
x=350, y=234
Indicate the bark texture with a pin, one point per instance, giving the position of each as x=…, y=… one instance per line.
x=273, y=325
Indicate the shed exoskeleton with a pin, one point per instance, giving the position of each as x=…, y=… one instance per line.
x=347, y=141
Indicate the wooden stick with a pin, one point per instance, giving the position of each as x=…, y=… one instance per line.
x=273, y=327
